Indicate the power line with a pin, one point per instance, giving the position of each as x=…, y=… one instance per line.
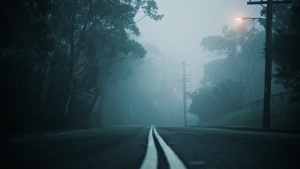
x=218, y=17
x=253, y=10
x=231, y=10
x=240, y=43
x=210, y=28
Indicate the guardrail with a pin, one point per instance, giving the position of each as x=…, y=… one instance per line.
x=282, y=97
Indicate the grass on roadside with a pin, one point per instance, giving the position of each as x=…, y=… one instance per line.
x=285, y=116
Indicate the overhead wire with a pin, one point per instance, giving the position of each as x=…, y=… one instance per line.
x=218, y=16
x=253, y=10
x=227, y=59
x=231, y=9
x=240, y=43
x=215, y=20
x=227, y=15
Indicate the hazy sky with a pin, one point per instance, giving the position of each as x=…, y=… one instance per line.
x=186, y=22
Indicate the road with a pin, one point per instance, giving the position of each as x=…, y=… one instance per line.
x=128, y=146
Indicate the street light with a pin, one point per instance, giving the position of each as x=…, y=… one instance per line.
x=244, y=18
x=267, y=23
x=262, y=21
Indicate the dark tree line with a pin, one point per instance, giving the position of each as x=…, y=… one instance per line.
x=286, y=48
x=56, y=57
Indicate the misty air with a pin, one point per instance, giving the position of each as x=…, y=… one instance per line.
x=150, y=84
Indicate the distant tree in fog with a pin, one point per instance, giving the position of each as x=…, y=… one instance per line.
x=212, y=102
x=142, y=91
x=241, y=52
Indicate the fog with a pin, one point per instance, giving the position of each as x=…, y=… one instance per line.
x=169, y=42
x=85, y=64
x=185, y=23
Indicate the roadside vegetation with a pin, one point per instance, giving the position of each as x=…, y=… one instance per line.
x=284, y=116
x=57, y=58
x=240, y=64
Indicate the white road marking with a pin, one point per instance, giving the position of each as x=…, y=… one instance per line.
x=173, y=160
x=150, y=160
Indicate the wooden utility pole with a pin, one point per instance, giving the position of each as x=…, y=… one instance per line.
x=268, y=57
x=184, y=80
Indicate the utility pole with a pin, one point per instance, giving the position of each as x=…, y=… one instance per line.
x=268, y=56
x=184, y=80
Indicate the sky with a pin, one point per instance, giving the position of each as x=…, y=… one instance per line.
x=185, y=23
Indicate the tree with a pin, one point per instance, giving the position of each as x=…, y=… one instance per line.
x=25, y=45
x=228, y=96
x=242, y=61
x=56, y=57
x=286, y=52
x=212, y=102
x=202, y=105
x=92, y=36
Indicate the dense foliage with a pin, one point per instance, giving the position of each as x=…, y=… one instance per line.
x=212, y=102
x=56, y=57
x=286, y=48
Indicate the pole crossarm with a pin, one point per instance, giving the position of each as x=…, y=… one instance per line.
x=184, y=80
x=265, y=2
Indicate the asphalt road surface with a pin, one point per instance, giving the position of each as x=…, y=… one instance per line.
x=142, y=147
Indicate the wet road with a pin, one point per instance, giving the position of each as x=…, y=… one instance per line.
x=127, y=146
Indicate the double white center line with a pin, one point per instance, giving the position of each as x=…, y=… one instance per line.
x=150, y=160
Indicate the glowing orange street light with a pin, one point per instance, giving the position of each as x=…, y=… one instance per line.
x=241, y=18
x=262, y=21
